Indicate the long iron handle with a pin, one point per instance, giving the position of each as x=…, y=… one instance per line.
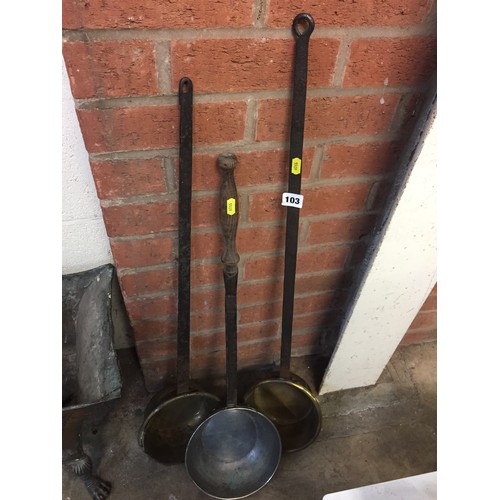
x=184, y=269
x=302, y=27
x=229, y=213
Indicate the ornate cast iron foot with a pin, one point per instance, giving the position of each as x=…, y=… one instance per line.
x=98, y=488
x=81, y=466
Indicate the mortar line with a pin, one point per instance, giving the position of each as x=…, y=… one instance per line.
x=245, y=146
x=223, y=97
x=251, y=121
x=248, y=32
x=317, y=162
x=163, y=66
x=130, y=271
x=208, y=331
x=170, y=175
x=341, y=63
x=246, y=225
x=268, y=188
x=259, y=12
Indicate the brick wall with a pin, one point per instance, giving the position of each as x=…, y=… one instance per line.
x=370, y=64
x=424, y=326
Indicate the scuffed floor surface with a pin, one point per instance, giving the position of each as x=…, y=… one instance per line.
x=369, y=435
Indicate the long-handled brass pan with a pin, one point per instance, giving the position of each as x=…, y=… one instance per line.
x=172, y=415
x=287, y=400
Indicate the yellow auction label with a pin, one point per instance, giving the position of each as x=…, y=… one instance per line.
x=231, y=206
x=296, y=164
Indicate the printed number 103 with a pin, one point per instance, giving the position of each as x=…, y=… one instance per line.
x=292, y=200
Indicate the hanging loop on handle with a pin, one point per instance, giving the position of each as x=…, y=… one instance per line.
x=303, y=25
x=229, y=213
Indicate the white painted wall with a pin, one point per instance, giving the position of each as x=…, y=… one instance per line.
x=402, y=274
x=85, y=242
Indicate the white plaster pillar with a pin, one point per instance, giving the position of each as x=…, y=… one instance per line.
x=85, y=242
x=399, y=279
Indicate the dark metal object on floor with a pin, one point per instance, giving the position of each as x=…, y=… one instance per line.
x=236, y=451
x=287, y=400
x=172, y=415
x=90, y=371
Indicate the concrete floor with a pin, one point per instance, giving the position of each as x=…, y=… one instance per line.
x=369, y=435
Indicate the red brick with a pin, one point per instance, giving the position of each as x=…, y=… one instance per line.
x=121, y=129
x=248, y=240
x=321, y=282
x=390, y=61
x=328, y=116
x=206, y=244
x=253, y=169
x=154, y=127
x=259, y=267
x=430, y=303
x=306, y=321
x=206, y=274
x=208, y=364
x=260, y=292
x=121, y=178
x=162, y=280
x=246, y=333
x=212, y=363
x=353, y=160
x=322, y=259
x=306, y=308
x=360, y=13
x=262, y=331
x=424, y=319
x=203, y=300
x=143, y=252
x=418, y=336
x=161, y=348
x=205, y=212
x=257, y=239
x=317, y=201
x=250, y=64
x=248, y=293
x=264, y=351
x=308, y=350
x=308, y=261
x=266, y=207
x=310, y=339
x=136, y=219
x=147, y=308
x=261, y=312
x=335, y=199
x=207, y=320
x=208, y=341
x=147, y=282
x=340, y=229
x=155, y=328
x=111, y=68
x=157, y=373
x=115, y=14
x=313, y=303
